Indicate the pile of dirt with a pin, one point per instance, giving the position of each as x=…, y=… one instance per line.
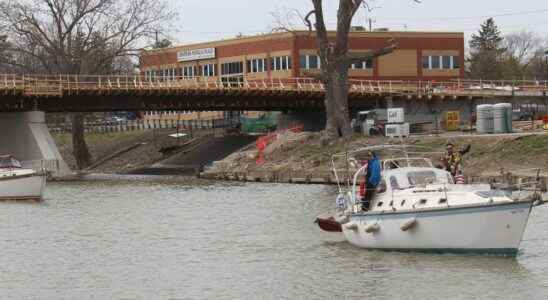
x=304, y=153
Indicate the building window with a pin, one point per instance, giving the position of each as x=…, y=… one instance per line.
x=435, y=62
x=232, y=68
x=364, y=65
x=189, y=72
x=446, y=62
x=208, y=70
x=426, y=62
x=280, y=63
x=440, y=62
x=455, y=62
x=256, y=65
x=172, y=74
x=149, y=75
x=302, y=61
x=162, y=75
x=310, y=62
x=313, y=62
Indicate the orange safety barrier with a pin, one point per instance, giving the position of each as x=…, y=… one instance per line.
x=263, y=141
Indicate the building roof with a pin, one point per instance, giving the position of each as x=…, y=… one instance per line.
x=266, y=36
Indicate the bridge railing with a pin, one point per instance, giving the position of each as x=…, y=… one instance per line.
x=10, y=81
x=59, y=84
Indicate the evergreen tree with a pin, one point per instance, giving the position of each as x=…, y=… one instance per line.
x=159, y=44
x=486, y=51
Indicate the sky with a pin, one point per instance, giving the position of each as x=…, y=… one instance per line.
x=202, y=20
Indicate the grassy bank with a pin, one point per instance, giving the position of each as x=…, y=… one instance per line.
x=302, y=155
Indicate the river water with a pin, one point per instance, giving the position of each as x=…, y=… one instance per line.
x=154, y=240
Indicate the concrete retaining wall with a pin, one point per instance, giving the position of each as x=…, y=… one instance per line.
x=26, y=136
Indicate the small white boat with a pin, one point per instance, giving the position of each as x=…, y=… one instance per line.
x=18, y=183
x=418, y=207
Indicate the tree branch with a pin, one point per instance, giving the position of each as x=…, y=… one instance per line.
x=356, y=57
x=307, y=21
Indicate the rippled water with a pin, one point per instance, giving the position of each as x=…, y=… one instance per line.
x=149, y=240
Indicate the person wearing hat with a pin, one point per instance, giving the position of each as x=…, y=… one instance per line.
x=453, y=159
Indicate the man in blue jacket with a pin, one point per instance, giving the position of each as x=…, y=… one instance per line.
x=373, y=178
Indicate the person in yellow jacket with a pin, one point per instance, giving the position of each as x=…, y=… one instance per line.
x=453, y=159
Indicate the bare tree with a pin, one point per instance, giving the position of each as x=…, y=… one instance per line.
x=538, y=67
x=3, y=52
x=80, y=37
x=335, y=62
x=522, y=45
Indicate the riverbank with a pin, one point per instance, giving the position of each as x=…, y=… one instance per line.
x=301, y=158
x=293, y=157
x=125, y=152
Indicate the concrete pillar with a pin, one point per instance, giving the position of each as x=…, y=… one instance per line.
x=25, y=135
x=389, y=102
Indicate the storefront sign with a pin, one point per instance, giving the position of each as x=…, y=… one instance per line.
x=196, y=54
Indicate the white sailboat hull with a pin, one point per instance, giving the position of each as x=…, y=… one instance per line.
x=28, y=187
x=495, y=228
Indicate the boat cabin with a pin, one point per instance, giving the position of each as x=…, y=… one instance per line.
x=9, y=162
x=409, y=183
x=411, y=177
x=409, y=188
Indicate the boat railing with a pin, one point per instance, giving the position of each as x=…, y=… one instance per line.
x=355, y=182
x=524, y=187
x=41, y=165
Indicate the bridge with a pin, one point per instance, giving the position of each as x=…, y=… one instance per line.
x=84, y=93
x=24, y=99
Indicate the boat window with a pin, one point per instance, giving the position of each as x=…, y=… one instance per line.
x=421, y=177
x=393, y=165
x=9, y=162
x=381, y=188
x=394, y=183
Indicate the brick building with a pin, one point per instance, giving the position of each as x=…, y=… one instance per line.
x=419, y=56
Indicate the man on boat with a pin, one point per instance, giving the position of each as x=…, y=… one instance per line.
x=453, y=159
x=372, y=178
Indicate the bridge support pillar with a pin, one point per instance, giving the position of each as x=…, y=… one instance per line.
x=389, y=102
x=25, y=135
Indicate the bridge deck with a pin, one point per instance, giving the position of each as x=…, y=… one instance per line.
x=215, y=94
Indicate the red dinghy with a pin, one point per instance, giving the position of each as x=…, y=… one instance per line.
x=328, y=224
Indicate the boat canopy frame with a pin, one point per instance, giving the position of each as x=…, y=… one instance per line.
x=350, y=157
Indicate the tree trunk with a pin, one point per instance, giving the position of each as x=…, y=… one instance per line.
x=79, y=147
x=336, y=104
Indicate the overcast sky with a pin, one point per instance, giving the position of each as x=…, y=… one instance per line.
x=201, y=20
